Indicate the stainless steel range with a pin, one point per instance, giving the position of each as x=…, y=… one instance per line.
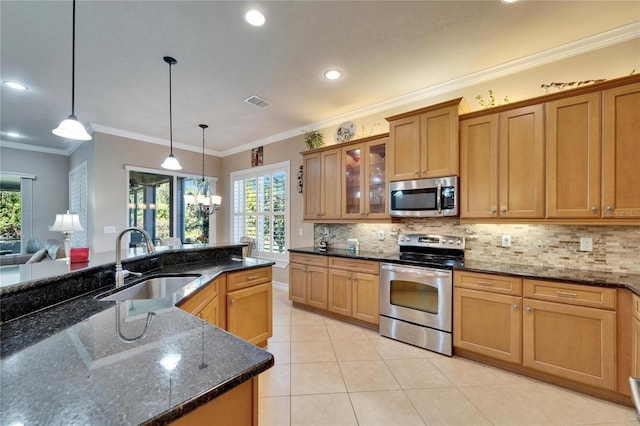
x=416, y=291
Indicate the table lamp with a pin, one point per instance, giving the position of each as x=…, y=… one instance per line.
x=67, y=223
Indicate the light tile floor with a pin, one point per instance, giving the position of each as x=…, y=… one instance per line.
x=328, y=373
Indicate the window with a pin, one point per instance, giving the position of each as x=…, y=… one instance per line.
x=157, y=204
x=16, y=227
x=261, y=208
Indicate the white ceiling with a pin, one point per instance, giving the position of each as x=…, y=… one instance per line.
x=386, y=49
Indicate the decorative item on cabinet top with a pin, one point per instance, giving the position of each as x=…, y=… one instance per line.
x=314, y=139
x=345, y=132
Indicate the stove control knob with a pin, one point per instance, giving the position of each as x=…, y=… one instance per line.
x=459, y=242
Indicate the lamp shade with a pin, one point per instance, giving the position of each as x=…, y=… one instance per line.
x=67, y=222
x=71, y=128
x=171, y=163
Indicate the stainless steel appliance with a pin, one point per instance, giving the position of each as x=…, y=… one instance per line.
x=424, y=197
x=416, y=291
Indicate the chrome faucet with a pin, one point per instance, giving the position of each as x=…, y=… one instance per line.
x=150, y=249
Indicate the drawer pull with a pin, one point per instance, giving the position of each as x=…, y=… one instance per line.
x=489, y=283
x=566, y=294
x=252, y=277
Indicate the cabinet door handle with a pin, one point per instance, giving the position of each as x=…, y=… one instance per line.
x=515, y=306
x=528, y=308
x=415, y=172
x=609, y=209
x=487, y=283
x=594, y=209
x=493, y=210
x=504, y=210
x=233, y=301
x=424, y=171
x=566, y=294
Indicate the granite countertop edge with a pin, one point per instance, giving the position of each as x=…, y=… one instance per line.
x=630, y=281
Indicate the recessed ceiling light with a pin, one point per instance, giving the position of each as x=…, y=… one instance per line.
x=508, y=1
x=332, y=74
x=13, y=134
x=255, y=18
x=15, y=85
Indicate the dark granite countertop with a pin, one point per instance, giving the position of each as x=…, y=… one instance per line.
x=66, y=364
x=577, y=276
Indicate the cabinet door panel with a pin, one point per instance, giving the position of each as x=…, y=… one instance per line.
x=353, y=175
x=488, y=323
x=316, y=287
x=404, y=148
x=439, y=139
x=366, y=297
x=340, y=292
x=521, y=158
x=330, y=185
x=621, y=192
x=572, y=342
x=635, y=347
x=479, y=167
x=312, y=187
x=210, y=312
x=573, y=157
x=297, y=283
x=249, y=313
x=376, y=189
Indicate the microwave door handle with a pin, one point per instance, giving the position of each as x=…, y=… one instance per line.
x=439, y=198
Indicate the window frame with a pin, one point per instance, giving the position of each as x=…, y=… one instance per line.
x=256, y=172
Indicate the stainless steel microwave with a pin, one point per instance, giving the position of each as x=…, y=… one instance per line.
x=424, y=197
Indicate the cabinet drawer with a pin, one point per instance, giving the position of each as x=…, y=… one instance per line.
x=308, y=259
x=572, y=294
x=488, y=282
x=636, y=307
x=197, y=301
x=354, y=265
x=248, y=278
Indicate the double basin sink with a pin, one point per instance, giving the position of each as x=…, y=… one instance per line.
x=155, y=286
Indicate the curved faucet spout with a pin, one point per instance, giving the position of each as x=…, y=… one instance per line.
x=121, y=335
x=150, y=248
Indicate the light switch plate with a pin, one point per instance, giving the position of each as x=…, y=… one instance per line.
x=586, y=244
x=380, y=235
x=109, y=229
x=506, y=241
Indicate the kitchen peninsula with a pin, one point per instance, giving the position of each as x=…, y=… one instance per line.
x=71, y=361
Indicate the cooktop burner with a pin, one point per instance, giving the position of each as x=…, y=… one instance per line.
x=436, y=251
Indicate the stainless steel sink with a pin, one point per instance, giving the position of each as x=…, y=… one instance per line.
x=152, y=287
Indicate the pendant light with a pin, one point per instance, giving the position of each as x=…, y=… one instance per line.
x=203, y=203
x=171, y=163
x=71, y=128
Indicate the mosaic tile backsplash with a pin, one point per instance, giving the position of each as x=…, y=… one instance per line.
x=615, y=248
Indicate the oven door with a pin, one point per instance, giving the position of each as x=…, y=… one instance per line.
x=418, y=295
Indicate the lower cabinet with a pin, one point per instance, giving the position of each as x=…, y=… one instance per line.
x=308, y=280
x=635, y=338
x=559, y=329
x=348, y=287
x=239, y=302
x=238, y=407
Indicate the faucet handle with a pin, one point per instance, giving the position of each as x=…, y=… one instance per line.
x=126, y=273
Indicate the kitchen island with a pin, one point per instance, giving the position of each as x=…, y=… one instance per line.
x=72, y=363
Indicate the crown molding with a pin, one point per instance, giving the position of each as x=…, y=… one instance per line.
x=38, y=148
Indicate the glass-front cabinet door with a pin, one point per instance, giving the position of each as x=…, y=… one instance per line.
x=364, y=188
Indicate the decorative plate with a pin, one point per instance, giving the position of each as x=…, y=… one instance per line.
x=346, y=131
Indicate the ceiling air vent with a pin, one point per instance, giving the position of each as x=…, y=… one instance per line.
x=257, y=101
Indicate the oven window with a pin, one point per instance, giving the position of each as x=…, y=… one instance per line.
x=414, y=295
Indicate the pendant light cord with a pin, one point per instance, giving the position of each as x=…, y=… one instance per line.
x=73, y=60
x=203, y=155
x=170, y=114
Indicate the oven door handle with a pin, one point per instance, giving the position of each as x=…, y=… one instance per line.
x=416, y=271
x=439, y=198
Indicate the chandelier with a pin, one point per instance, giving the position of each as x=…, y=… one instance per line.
x=203, y=203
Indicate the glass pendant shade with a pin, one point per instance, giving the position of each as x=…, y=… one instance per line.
x=71, y=128
x=171, y=163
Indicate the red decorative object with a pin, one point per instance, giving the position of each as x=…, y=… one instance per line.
x=79, y=255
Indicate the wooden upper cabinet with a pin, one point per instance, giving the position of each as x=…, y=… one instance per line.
x=502, y=165
x=424, y=143
x=479, y=167
x=322, y=178
x=521, y=163
x=364, y=181
x=573, y=157
x=621, y=192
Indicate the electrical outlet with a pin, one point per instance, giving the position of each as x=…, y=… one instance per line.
x=586, y=244
x=326, y=232
x=109, y=229
x=300, y=232
x=380, y=235
x=506, y=241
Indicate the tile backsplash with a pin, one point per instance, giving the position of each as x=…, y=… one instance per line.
x=615, y=248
